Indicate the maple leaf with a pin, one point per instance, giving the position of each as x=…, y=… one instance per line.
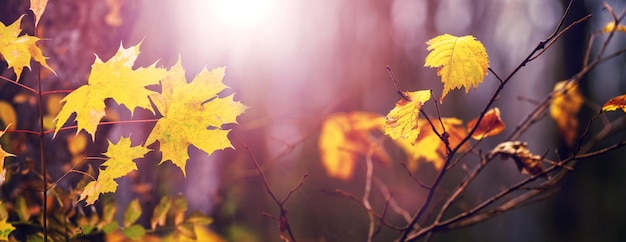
x=18, y=51
x=401, y=121
x=112, y=79
x=526, y=162
x=460, y=61
x=429, y=146
x=119, y=164
x=490, y=125
x=564, y=108
x=5, y=229
x=345, y=137
x=38, y=7
x=615, y=103
x=193, y=114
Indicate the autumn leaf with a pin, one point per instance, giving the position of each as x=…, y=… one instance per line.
x=526, y=162
x=112, y=79
x=460, y=61
x=429, y=147
x=18, y=51
x=345, y=137
x=401, y=121
x=564, y=108
x=38, y=7
x=119, y=163
x=193, y=114
x=610, y=26
x=7, y=115
x=490, y=125
x=615, y=103
x=5, y=230
x=3, y=154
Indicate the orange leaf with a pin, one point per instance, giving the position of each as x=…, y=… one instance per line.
x=460, y=61
x=345, y=137
x=429, y=146
x=610, y=26
x=402, y=119
x=615, y=103
x=564, y=109
x=490, y=125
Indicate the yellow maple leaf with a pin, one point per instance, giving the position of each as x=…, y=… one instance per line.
x=564, y=108
x=615, y=103
x=345, y=137
x=112, y=79
x=490, y=125
x=120, y=163
x=460, y=61
x=5, y=229
x=18, y=51
x=401, y=121
x=38, y=7
x=429, y=146
x=193, y=114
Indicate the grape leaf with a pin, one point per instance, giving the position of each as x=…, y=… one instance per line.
x=5, y=230
x=490, y=125
x=112, y=79
x=526, y=162
x=38, y=7
x=564, y=109
x=615, y=103
x=401, y=121
x=429, y=146
x=345, y=137
x=18, y=51
x=193, y=114
x=460, y=61
x=120, y=163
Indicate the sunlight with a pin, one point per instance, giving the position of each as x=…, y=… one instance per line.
x=236, y=14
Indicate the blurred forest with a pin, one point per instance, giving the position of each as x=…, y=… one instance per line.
x=296, y=62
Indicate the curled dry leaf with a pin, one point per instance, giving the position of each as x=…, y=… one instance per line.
x=402, y=119
x=615, y=103
x=347, y=136
x=526, y=162
x=429, y=146
x=564, y=109
x=490, y=125
x=460, y=61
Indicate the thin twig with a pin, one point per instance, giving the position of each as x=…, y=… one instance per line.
x=395, y=83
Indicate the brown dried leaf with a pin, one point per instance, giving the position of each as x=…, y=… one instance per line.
x=526, y=162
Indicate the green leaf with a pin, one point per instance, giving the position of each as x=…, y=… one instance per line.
x=132, y=213
x=179, y=209
x=110, y=228
x=198, y=218
x=160, y=212
x=134, y=232
x=108, y=211
x=22, y=209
